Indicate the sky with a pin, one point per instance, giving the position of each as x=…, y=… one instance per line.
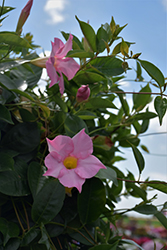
x=147, y=27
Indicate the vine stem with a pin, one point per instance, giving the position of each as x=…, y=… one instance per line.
x=140, y=93
x=144, y=182
x=17, y=215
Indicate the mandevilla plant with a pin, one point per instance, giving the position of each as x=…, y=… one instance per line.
x=59, y=179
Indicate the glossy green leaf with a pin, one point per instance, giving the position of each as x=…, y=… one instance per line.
x=83, y=236
x=86, y=115
x=8, y=229
x=5, y=9
x=89, y=34
x=80, y=54
x=137, y=191
x=21, y=138
x=141, y=116
x=161, y=217
x=110, y=66
x=5, y=114
x=6, y=162
x=145, y=209
x=98, y=102
x=160, y=105
x=26, y=115
x=73, y=124
x=153, y=71
x=91, y=200
x=139, y=158
x=158, y=185
x=141, y=100
x=36, y=180
x=10, y=63
x=13, y=39
x=86, y=76
x=108, y=173
x=48, y=202
x=17, y=91
x=61, y=104
x=30, y=236
x=101, y=38
x=6, y=82
x=13, y=244
x=14, y=182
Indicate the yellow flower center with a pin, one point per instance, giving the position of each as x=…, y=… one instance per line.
x=70, y=162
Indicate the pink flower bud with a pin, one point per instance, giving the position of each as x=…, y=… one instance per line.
x=83, y=93
x=23, y=16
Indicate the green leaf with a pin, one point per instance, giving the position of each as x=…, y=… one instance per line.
x=137, y=191
x=108, y=173
x=98, y=102
x=13, y=244
x=8, y=229
x=141, y=100
x=160, y=105
x=30, y=236
x=89, y=34
x=14, y=182
x=5, y=9
x=159, y=185
x=6, y=162
x=73, y=124
x=36, y=180
x=80, y=54
x=91, y=200
x=145, y=209
x=141, y=116
x=86, y=115
x=6, y=82
x=101, y=38
x=12, y=39
x=10, y=63
x=21, y=138
x=87, y=76
x=110, y=66
x=139, y=158
x=17, y=91
x=26, y=115
x=48, y=202
x=153, y=71
x=61, y=104
x=5, y=114
x=161, y=217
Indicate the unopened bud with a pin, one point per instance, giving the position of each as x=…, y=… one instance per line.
x=23, y=16
x=83, y=93
x=40, y=61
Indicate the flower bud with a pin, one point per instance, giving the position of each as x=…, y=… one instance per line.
x=23, y=16
x=83, y=93
x=40, y=61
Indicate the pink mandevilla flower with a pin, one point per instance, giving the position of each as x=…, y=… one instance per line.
x=57, y=63
x=71, y=160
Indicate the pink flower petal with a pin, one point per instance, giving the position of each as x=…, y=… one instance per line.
x=83, y=146
x=54, y=166
x=70, y=179
x=51, y=72
x=61, y=83
x=61, y=144
x=68, y=67
x=62, y=52
x=87, y=168
x=56, y=46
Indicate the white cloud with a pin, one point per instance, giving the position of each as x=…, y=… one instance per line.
x=54, y=8
x=164, y=2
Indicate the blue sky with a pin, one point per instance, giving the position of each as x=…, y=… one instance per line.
x=147, y=27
